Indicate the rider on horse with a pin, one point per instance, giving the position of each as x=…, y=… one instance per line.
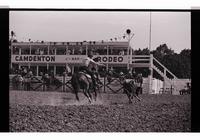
x=89, y=65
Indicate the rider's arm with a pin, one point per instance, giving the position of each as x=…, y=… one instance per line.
x=96, y=63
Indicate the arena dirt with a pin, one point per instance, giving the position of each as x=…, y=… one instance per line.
x=59, y=112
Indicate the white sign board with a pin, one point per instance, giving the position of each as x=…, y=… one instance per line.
x=73, y=59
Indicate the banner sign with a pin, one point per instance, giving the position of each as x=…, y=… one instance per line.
x=73, y=59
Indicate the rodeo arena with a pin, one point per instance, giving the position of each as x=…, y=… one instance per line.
x=50, y=92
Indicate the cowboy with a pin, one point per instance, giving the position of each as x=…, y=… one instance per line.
x=129, y=75
x=90, y=64
x=134, y=74
x=24, y=72
x=121, y=74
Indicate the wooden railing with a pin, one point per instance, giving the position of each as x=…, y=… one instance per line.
x=165, y=69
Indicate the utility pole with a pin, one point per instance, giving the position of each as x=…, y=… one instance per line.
x=151, y=59
x=150, y=34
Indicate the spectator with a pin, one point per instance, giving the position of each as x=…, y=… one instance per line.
x=24, y=72
x=37, y=52
x=41, y=52
x=129, y=75
x=121, y=52
x=134, y=74
x=46, y=80
x=28, y=77
x=41, y=74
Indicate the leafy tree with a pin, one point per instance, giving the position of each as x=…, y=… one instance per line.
x=142, y=52
x=185, y=56
x=178, y=64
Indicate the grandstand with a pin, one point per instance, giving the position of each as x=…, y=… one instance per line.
x=44, y=57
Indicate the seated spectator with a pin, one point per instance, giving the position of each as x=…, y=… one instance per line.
x=129, y=75
x=41, y=52
x=37, y=52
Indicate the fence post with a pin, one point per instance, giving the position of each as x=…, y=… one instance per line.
x=64, y=81
x=104, y=84
x=43, y=85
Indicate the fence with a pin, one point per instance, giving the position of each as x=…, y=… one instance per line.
x=63, y=84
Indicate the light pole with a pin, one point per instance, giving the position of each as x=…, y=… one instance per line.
x=130, y=36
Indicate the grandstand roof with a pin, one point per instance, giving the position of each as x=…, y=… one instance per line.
x=93, y=43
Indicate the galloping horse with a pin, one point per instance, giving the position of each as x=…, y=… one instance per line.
x=81, y=80
x=130, y=88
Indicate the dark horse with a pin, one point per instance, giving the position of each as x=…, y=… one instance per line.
x=81, y=80
x=130, y=88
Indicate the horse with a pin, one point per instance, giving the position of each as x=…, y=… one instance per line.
x=130, y=88
x=81, y=80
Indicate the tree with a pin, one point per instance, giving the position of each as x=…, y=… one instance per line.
x=178, y=64
x=142, y=52
x=164, y=50
x=186, y=53
x=185, y=56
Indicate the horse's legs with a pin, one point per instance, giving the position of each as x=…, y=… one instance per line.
x=137, y=97
x=135, y=93
x=95, y=93
x=128, y=95
x=86, y=93
x=77, y=98
x=76, y=94
x=141, y=90
x=89, y=94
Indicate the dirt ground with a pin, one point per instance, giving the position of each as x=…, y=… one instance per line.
x=60, y=112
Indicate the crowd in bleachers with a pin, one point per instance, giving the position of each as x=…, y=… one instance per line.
x=69, y=51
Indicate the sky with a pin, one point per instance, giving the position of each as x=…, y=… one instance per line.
x=172, y=28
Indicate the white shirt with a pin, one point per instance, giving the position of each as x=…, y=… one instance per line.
x=87, y=61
